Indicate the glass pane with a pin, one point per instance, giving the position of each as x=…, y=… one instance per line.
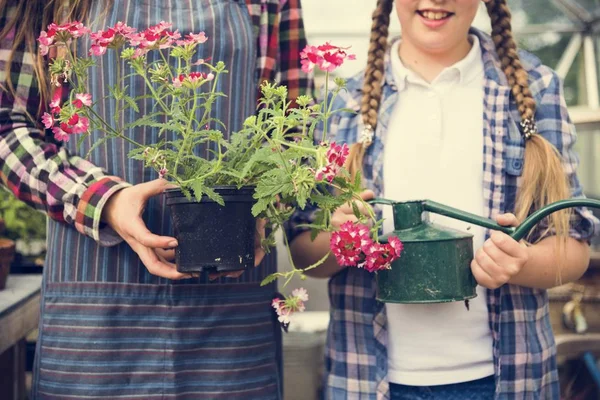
x=536, y=12
x=590, y=5
x=549, y=47
x=588, y=147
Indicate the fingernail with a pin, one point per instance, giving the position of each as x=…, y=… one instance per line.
x=173, y=243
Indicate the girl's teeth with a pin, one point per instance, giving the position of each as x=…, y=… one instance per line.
x=434, y=15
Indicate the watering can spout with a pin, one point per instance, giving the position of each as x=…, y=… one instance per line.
x=520, y=231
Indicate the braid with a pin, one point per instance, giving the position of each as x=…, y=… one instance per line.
x=507, y=52
x=373, y=80
x=543, y=180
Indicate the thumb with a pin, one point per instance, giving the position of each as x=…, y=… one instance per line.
x=507, y=220
x=367, y=195
x=153, y=188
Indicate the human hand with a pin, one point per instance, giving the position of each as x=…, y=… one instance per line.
x=123, y=212
x=345, y=213
x=500, y=258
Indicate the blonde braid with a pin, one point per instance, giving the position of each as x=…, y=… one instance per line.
x=543, y=180
x=372, y=83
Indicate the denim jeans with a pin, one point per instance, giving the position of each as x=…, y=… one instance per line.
x=481, y=389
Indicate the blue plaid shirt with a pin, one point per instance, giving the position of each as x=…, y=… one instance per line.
x=524, y=349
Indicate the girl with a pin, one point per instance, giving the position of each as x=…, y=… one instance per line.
x=450, y=114
x=114, y=323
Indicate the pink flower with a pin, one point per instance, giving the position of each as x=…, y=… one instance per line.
x=294, y=303
x=157, y=36
x=353, y=247
x=163, y=172
x=336, y=157
x=192, y=80
x=395, y=246
x=193, y=38
x=47, y=120
x=97, y=50
x=60, y=135
x=301, y=294
x=347, y=243
x=283, y=312
x=55, y=103
x=45, y=42
x=112, y=37
x=60, y=33
x=76, y=124
x=82, y=99
x=327, y=57
x=381, y=256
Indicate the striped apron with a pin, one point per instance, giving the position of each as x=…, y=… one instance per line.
x=108, y=328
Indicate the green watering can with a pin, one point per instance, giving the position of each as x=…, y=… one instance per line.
x=435, y=264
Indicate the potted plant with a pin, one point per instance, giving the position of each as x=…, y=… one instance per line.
x=22, y=232
x=268, y=169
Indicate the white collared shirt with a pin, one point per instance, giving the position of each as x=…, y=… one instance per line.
x=434, y=150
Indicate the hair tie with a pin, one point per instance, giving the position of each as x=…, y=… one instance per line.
x=528, y=127
x=366, y=136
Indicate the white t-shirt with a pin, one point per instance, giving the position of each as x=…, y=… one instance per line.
x=434, y=150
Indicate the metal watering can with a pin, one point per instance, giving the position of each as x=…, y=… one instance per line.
x=435, y=264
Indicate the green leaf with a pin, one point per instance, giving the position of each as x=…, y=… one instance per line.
x=131, y=103
x=213, y=196
x=97, y=144
x=269, y=279
x=260, y=206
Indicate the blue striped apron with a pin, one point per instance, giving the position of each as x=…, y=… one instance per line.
x=109, y=329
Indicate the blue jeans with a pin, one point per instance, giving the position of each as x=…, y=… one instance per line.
x=481, y=389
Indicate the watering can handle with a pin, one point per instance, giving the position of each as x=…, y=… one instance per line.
x=520, y=231
x=475, y=219
x=517, y=233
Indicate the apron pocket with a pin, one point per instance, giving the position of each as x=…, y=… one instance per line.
x=115, y=340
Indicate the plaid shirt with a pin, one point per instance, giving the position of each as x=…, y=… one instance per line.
x=71, y=189
x=524, y=350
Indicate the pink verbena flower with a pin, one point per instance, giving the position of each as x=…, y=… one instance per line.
x=112, y=37
x=76, y=124
x=381, y=256
x=294, y=303
x=163, y=172
x=47, y=120
x=55, y=103
x=347, y=243
x=60, y=135
x=192, y=39
x=327, y=57
x=156, y=37
x=60, y=34
x=192, y=80
x=336, y=157
x=45, y=42
x=82, y=99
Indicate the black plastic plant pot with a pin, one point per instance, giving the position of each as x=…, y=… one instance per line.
x=210, y=236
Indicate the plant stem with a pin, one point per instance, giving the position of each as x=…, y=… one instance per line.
x=294, y=146
x=112, y=130
x=326, y=107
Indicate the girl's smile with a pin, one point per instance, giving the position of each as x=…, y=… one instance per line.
x=434, y=18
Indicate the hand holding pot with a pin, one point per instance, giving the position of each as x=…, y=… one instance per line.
x=500, y=258
x=123, y=212
x=345, y=213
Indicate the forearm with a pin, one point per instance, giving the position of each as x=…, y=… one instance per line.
x=306, y=252
x=544, y=270
x=68, y=188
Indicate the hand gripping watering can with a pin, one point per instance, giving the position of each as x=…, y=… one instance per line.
x=435, y=264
